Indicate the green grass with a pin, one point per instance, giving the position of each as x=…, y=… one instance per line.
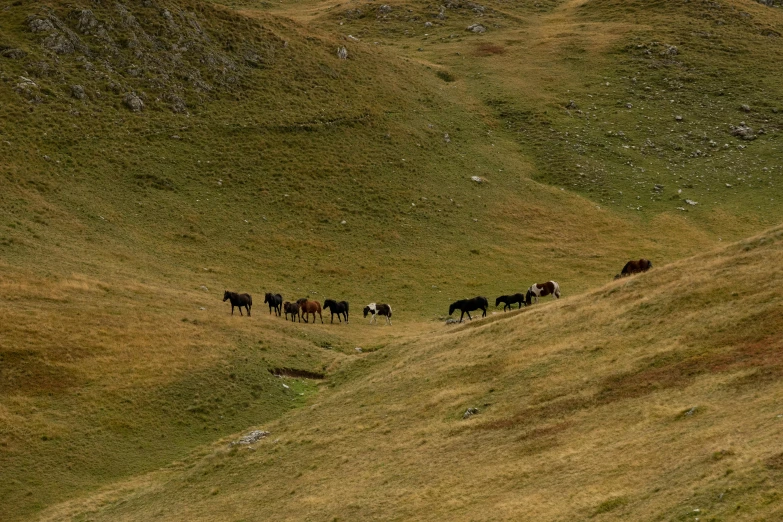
x=256, y=143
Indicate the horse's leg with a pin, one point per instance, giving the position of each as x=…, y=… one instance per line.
x=388, y=320
x=319, y=315
x=485, y=312
x=462, y=315
x=469, y=317
x=248, y=310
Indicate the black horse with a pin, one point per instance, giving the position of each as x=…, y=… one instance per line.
x=239, y=300
x=468, y=305
x=341, y=309
x=509, y=300
x=275, y=301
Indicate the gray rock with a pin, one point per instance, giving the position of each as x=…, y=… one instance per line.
x=427, y=24
x=40, y=25
x=85, y=21
x=385, y=9
x=250, y=438
x=470, y=412
x=678, y=118
x=629, y=106
x=77, y=91
x=14, y=54
x=203, y=287
x=742, y=131
x=342, y=53
x=133, y=102
x=745, y=107
x=477, y=28
x=59, y=43
x=571, y=105
x=358, y=349
x=446, y=137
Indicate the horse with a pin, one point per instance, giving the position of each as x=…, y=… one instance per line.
x=341, y=309
x=238, y=300
x=540, y=290
x=378, y=309
x=508, y=300
x=309, y=307
x=293, y=309
x=275, y=302
x=468, y=305
x=634, y=267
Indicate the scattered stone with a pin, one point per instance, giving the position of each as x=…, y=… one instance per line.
x=470, y=412
x=342, y=53
x=571, y=105
x=202, y=287
x=201, y=308
x=451, y=321
x=343, y=222
x=477, y=28
x=358, y=349
x=691, y=411
x=745, y=108
x=133, y=102
x=691, y=202
x=678, y=118
x=77, y=91
x=671, y=50
x=629, y=106
x=446, y=137
x=385, y=9
x=427, y=24
x=728, y=185
x=250, y=438
x=478, y=179
x=286, y=387
x=658, y=188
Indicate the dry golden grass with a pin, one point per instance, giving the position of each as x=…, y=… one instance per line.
x=646, y=399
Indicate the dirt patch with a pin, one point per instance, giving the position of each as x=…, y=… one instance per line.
x=298, y=374
x=489, y=49
x=775, y=462
x=23, y=371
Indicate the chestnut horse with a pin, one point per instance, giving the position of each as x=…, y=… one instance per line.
x=238, y=300
x=634, y=267
x=540, y=290
x=310, y=307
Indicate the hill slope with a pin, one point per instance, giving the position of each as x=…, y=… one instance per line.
x=650, y=398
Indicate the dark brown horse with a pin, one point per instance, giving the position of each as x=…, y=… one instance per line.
x=634, y=267
x=341, y=309
x=307, y=307
x=509, y=300
x=238, y=300
x=540, y=290
x=293, y=309
x=468, y=305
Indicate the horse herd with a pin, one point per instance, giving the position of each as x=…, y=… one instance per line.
x=303, y=308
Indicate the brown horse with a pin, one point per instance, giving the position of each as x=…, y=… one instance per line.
x=634, y=267
x=293, y=309
x=309, y=307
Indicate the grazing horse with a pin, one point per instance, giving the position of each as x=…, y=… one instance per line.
x=378, y=309
x=508, y=300
x=341, y=309
x=468, y=305
x=310, y=307
x=634, y=267
x=541, y=290
x=238, y=300
x=293, y=309
x=275, y=302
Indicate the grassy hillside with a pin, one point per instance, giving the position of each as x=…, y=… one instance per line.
x=650, y=398
x=155, y=153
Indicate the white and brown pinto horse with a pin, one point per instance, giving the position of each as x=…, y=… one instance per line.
x=541, y=290
x=378, y=309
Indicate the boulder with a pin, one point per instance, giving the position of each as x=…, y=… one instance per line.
x=133, y=102
x=477, y=28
